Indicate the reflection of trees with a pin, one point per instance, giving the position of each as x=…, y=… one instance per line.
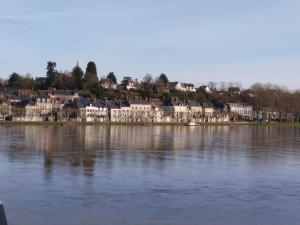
x=85, y=149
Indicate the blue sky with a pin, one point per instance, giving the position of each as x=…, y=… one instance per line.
x=193, y=40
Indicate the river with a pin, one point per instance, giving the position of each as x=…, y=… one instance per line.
x=149, y=175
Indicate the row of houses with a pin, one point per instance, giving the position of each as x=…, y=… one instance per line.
x=66, y=105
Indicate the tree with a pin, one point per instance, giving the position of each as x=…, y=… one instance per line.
x=51, y=74
x=90, y=77
x=212, y=85
x=14, y=79
x=148, y=79
x=111, y=76
x=163, y=78
x=77, y=74
x=65, y=81
x=91, y=68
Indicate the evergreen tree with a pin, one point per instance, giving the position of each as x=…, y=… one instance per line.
x=91, y=78
x=91, y=68
x=51, y=74
x=163, y=78
x=77, y=74
x=14, y=78
x=111, y=76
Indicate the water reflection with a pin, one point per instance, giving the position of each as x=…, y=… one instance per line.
x=150, y=175
x=81, y=146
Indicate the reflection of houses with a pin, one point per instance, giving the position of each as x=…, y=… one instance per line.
x=93, y=111
x=182, y=87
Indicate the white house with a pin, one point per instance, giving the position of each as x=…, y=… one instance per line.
x=93, y=111
x=243, y=110
x=178, y=109
x=119, y=111
x=182, y=87
x=140, y=110
x=107, y=84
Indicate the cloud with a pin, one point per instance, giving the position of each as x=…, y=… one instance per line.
x=9, y=20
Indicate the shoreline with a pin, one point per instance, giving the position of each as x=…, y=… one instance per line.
x=48, y=123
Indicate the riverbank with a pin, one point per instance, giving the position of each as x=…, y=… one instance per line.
x=48, y=123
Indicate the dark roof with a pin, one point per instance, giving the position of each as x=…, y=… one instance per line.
x=23, y=103
x=176, y=102
x=83, y=102
x=100, y=103
x=193, y=103
x=138, y=102
x=112, y=104
x=207, y=105
x=14, y=97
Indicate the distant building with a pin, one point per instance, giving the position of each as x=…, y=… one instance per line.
x=208, y=112
x=140, y=110
x=205, y=89
x=234, y=91
x=107, y=84
x=177, y=110
x=93, y=111
x=5, y=110
x=60, y=97
x=185, y=87
x=119, y=111
x=196, y=111
x=243, y=110
x=128, y=83
x=157, y=113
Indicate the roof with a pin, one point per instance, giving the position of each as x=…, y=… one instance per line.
x=99, y=103
x=116, y=104
x=231, y=104
x=138, y=102
x=176, y=102
x=207, y=105
x=23, y=103
x=193, y=103
x=187, y=85
x=83, y=102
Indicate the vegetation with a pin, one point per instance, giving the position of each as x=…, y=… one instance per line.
x=111, y=76
x=266, y=97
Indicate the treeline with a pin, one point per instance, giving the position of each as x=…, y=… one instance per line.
x=76, y=79
x=260, y=96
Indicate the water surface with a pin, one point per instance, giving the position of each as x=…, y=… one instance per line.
x=74, y=175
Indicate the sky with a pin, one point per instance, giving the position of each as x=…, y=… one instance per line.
x=193, y=40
